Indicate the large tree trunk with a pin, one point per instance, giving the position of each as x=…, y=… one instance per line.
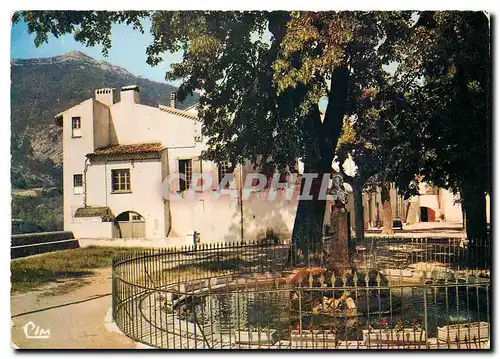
x=386, y=209
x=359, y=218
x=308, y=226
x=321, y=139
x=475, y=211
x=474, y=205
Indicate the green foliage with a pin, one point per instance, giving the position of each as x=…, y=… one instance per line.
x=454, y=97
x=19, y=182
x=33, y=214
x=225, y=56
x=446, y=99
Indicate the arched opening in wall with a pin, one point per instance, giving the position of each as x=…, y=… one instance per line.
x=129, y=224
x=427, y=214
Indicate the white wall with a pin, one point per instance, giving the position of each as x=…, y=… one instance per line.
x=219, y=220
x=261, y=214
x=145, y=197
x=74, y=151
x=136, y=123
x=91, y=227
x=430, y=201
x=215, y=220
x=101, y=125
x=452, y=212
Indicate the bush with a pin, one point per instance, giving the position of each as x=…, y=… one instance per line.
x=33, y=214
x=19, y=183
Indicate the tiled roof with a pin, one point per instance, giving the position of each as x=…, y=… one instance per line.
x=176, y=111
x=138, y=151
x=103, y=212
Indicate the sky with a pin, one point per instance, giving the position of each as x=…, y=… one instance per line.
x=128, y=49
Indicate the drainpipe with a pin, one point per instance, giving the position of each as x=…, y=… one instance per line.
x=85, y=182
x=106, y=182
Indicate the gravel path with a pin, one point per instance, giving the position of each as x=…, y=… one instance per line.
x=76, y=319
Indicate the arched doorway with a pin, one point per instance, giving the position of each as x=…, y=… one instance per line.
x=427, y=214
x=130, y=225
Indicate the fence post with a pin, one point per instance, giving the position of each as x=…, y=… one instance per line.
x=426, y=327
x=113, y=289
x=300, y=315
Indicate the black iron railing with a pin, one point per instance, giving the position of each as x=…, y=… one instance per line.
x=251, y=296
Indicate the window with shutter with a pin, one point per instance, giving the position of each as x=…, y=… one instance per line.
x=197, y=171
x=185, y=168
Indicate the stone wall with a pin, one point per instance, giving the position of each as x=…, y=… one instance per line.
x=23, y=245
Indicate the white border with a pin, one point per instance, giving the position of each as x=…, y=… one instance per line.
x=8, y=7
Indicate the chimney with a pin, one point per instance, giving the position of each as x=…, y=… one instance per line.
x=130, y=94
x=105, y=96
x=173, y=100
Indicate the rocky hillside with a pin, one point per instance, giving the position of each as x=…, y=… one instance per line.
x=43, y=87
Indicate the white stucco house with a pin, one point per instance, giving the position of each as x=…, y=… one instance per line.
x=116, y=157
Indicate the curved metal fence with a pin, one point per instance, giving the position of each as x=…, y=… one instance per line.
x=251, y=296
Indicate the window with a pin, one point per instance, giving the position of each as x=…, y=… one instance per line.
x=186, y=168
x=136, y=218
x=77, y=180
x=223, y=169
x=120, y=180
x=78, y=184
x=76, y=125
x=122, y=217
x=129, y=217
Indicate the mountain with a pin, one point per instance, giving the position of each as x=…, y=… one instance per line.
x=43, y=87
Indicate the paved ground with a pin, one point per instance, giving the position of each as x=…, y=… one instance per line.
x=176, y=242
x=426, y=229
x=75, y=319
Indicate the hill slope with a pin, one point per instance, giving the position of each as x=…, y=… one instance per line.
x=43, y=87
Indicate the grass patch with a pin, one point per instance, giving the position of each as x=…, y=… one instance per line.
x=31, y=272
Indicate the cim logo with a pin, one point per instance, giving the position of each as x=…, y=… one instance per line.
x=32, y=331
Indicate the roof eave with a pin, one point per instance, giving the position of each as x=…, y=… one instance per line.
x=145, y=156
x=59, y=117
x=178, y=112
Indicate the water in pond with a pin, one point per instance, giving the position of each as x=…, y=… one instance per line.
x=270, y=308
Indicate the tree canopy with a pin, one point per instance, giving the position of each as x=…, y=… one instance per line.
x=450, y=106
